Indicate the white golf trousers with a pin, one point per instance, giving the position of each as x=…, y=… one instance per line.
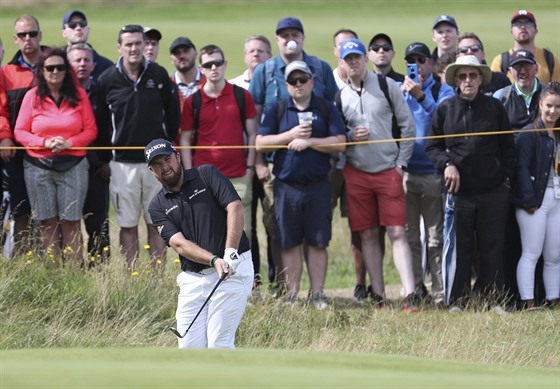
x=540, y=234
x=216, y=325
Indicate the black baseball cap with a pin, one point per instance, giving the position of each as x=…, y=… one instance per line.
x=181, y=41
x=522, y=55
x=152, y=33
x=418, y=48
x=385, y=37
x=158, y=147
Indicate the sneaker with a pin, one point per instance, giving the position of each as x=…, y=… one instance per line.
x=360, y=293
x=454, y=309
x=376, y=300
x=319, y=301
x=277, y=290
x=499, y=310
x=411, y=303
x=291, y=297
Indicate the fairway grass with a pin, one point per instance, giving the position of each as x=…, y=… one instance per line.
x=171, y=368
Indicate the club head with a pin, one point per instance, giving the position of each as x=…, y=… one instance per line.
x=174, y=330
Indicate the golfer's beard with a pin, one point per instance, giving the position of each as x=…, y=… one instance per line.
x=172, y=180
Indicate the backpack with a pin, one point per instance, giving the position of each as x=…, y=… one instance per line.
x=548, y=57
x=385, y=89
x=239, y=94
x=270, y=66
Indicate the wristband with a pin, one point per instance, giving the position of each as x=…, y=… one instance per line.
x=213, y=259
x=251, y=167
x=422, y=98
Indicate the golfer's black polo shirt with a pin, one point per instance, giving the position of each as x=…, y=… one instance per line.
x=198, y=211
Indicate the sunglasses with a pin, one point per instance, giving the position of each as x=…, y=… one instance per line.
x=522, y=65
x=464, y=76
x=217, y=63
x=473, y=48
x=51, y=68
x=73, y=25
x=523, y=24
x=420, y=60
x=22, y=35
x=302, y=80
x=385, y=48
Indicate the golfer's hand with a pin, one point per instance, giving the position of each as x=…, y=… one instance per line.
x=231, y=256
x=223, y=268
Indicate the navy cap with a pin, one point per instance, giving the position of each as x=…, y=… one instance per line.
x=417, y=48
x=156, y=148
x=352, y=46
x=289, y=22
x=181, y=41
x=68, y=15
x=445, y=19
x=522, y=55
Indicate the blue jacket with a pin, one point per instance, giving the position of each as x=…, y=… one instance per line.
x=535, y=156
x=422, y=114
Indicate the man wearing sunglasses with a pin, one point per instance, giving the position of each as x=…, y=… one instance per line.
x=381, y=53
x=222, y=126
x=470, y=44
x=476, y=171
x=524, y=30
x=422, y=182
x=75, y=29
x=136, y=103
x=16, y=78
x=302, y=197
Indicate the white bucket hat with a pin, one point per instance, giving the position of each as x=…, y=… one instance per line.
x=467, y=60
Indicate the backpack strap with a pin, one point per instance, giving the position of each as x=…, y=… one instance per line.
x=280, y=111
x=395, y=129
x=239, y=94
x=549, y=58
x=318, y=67
x=505, y=62
x=196, y=104
x=435, y=90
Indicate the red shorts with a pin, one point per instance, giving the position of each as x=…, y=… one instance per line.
x=374, y=199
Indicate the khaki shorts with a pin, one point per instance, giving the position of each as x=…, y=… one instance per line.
x=132, y=188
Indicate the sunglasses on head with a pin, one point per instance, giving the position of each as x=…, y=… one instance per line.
x=294, y=80
x=385, y=48
x=420, y=60
x=51, y=68
x=473, y=48
x=73, y=25
x=471, y=75
x=22, y=35
x=217, y=63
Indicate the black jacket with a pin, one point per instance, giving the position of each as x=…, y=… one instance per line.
x=535, y=156
x=135, y=113
x=484, y=162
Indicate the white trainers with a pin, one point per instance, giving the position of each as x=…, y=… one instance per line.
x=320, y=301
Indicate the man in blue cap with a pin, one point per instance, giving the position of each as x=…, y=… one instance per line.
x=445, y=33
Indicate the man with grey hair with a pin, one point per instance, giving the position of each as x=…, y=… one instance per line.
x=256, y=50
x=96, y=204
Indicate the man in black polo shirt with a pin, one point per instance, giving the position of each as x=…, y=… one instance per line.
x=199, y=214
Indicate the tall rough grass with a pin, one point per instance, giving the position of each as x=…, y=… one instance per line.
x=109, y=307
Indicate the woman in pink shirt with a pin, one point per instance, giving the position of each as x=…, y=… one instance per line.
x=55, y=118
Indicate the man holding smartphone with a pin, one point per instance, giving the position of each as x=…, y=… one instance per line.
x=422, y=182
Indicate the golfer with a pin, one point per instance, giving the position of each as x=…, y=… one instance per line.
x=199, y=214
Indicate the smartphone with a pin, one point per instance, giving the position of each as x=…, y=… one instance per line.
x=412, y=71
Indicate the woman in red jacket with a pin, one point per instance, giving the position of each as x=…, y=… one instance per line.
x=55, y=118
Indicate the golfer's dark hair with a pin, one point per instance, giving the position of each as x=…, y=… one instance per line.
x=344, y=31
x=132, y=29
x=210, y=49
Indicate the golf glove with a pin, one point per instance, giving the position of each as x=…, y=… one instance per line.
x=231, y=256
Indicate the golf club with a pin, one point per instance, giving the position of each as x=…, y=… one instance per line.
x=174, y=330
